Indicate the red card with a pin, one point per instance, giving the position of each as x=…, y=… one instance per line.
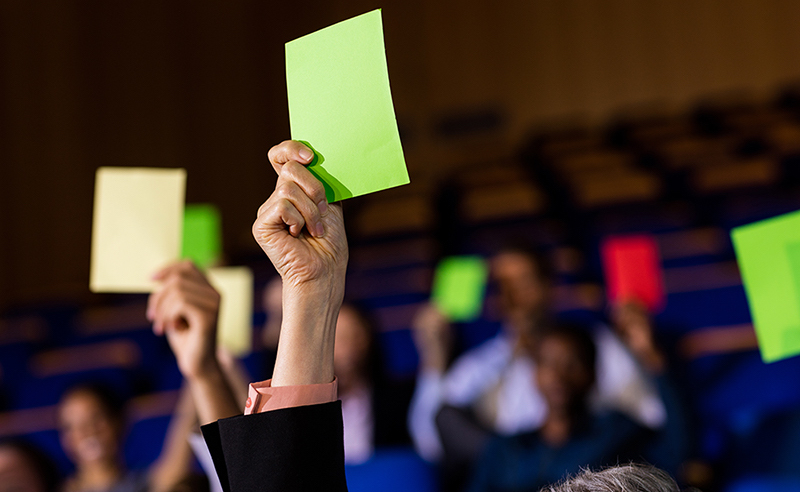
x=632, y=267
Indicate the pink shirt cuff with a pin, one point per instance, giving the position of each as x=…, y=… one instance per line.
x=262, y=397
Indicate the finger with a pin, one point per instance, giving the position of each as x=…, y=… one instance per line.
x=280, y=214
x=293, y=193
x=173, y=311
x=289, y=150
x=294, y=171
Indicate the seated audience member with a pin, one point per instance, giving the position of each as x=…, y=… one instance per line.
x=91, y=427
x=573, y=435
x=374, y=409
x=291, y=438
x=25, y=468
x=489, y=389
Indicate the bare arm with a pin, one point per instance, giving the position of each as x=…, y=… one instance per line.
x=175, y=461
x=304, y=238
x=185, y=308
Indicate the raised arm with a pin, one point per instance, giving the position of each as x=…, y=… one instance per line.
x=185, y=308
x=304, y=238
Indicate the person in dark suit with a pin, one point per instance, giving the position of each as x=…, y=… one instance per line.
x=290, y=437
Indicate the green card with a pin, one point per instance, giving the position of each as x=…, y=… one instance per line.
x=459, y=285
x=768, y=253
x=341, y=106
x=202, y=234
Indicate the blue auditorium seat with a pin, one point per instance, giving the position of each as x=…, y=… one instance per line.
x=392, y=470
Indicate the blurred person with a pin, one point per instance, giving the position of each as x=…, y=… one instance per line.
x=91, y=429
x=374, y=408
x=492, y=384
x=25, y=468
x=573, y=435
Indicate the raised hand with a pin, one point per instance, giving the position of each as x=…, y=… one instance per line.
x=432, y=335
x=185, y=308
x=635, y=327
x=299, y=231
x=304, y=237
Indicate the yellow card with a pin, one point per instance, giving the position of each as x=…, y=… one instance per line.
x=235, y=321
x=138, y=220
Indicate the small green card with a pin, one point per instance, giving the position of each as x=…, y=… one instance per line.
x=459, y=286
x=768, y=253
x=340, y=105
x=202, y=235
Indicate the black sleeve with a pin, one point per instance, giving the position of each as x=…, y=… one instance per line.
x=293, y=449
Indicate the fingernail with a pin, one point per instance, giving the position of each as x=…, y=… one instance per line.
x=306, y=154
x=323, y=206
x=320, y=229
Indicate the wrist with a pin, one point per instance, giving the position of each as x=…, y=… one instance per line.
x=203, y=371
x=305, y=347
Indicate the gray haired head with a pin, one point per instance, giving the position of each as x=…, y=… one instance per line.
x=621, y=478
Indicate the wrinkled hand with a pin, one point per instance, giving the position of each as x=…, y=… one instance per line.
x=185, y=308
x=433, y=337
x=299, y=231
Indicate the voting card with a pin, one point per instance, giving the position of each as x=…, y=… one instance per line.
x=235, y=320
x=202, y=235
x=136, y=230
x=340, y=105
x=633, y=272
x=459, y=286
x=768, y=254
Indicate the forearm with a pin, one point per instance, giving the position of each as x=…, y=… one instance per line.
x=175, y=461
x=305, y=349
x=212, y=397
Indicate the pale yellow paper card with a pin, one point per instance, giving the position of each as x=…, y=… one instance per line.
x=235, y=320
x=137, y=227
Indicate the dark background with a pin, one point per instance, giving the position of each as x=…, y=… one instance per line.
x=200, y=85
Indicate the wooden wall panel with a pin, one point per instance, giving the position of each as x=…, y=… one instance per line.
x=201, y=86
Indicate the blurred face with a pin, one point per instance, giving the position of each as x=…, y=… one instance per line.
x=16, y=473
x=523, y=291
x=88, y=434
x=352, y=346
x=563, y=378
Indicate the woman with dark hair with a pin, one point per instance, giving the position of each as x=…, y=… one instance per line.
x=25, y=468
x=373, y=408
x=91, y=428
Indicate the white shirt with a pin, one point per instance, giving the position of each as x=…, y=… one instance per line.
x=358, y=425
x=491, y=376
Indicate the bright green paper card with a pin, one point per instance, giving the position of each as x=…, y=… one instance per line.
x=340, y=104
x=202, y=235
x=459, y=285
x=768, y=253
